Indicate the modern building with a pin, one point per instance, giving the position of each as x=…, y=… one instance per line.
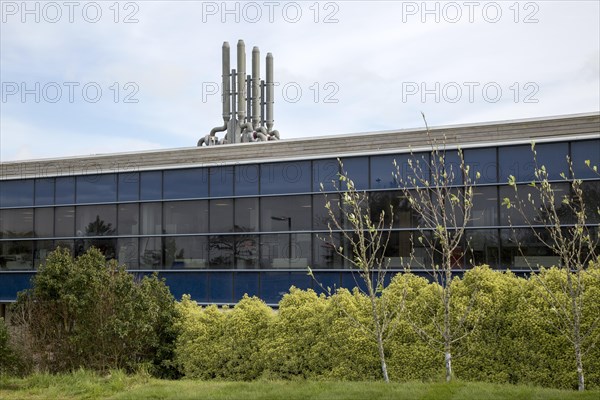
x=221, y=221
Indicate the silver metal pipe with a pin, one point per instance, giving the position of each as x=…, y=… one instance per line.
x=256, y=98
x=226, y=85
x=270, y=92
x=241, y=81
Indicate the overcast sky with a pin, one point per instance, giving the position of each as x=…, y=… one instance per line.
x=84, y=78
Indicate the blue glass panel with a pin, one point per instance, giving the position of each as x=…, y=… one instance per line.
x=193, y=283
x=383, y=172
x=246, y=180
x=245, y=283
x=129, y=186
x=516, y=161
x=273, y=285
x=325, y=281
x=291, y=177
x=14, y=283
x=452, y=166
x=301, y=280
x=65, y=190
x=352, y=279
x=325, y=172
x=220, y=287
x=553, y=156
x=16, y=193
x=221, y=181
x=357, y=169
x=44, y=191
x=582, y=151
x=97, y=188
x=419, y=169
x=482, y=161
x=185, y=183
x=151, y=185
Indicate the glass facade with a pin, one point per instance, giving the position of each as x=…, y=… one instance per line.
x=237, y=223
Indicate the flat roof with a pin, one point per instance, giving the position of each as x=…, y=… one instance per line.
x=567, y=127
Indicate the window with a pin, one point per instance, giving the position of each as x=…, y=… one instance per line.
x=320, y=214
x=17, y=223
x=485, y=207
x=585, y=150
x=150, y=253
x=186, y=252
x=151, y=185
x=41, y=252
x=357, y=169
x=553, y=156
x=65, y=190
x=96, y=188
x=290, y=213
x=128, y=219
x=221, y=215
x=221, y=181
x=324, y=254
x=127, y=252
x=44, y=192
x=383, y=172
x=285, y=251
x=532, y=254
x=185, y=183
x=291, y=177
x=325, y=172
x=482, y=161
x=64, y=221
x=484, y=247
x=16, y=193
x=129, y=186
x=536, y=214
x=412, y=167
x=96, y=221
x=186, y=216
x=246, y=251
x=246, y=214
x=150, y=218
x=16, y=255
x=221, y=251
x=44, y=222
x=516, y=161
x=246, y=180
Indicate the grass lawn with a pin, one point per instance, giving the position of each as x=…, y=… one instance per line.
x=85, y=385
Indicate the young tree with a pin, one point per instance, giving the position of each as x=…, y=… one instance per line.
x=566, y=225
x=367, y=241
x=439, y=188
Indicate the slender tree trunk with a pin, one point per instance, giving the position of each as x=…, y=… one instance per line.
x=580, y=376
x=448, y=364
x=577, y=346
x=382, y=357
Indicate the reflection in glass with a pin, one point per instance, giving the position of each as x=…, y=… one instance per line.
x=186, y=252
x=321, y=217
x=128, y=219
x=485, y=207
x=288, y=177
x=246, y=251
x=129, y=186
x=484, y=247
x=532, y=214
x=44, y=222
x=151, y=185
x=324, y=254
x=18, y=193
x=185, y=183
x=221, y=181
x=582, y=150
x=482, y=161
x=221, y=215
x=285, y=251
x=150, y=218
x=42, y=250
x=44, y=191
x=522, y=250
x=325, y=172
x=246, y=214
x=96, y=188
x=246, y=180
x=96, y=220
x=16, y=223
x=150, y=253
x=220, y=248
x=65, y=190
x=64, y=221
x=285, y=213
x=186, y=216
x=357, y=169
x=16, y=255
x=127, y=252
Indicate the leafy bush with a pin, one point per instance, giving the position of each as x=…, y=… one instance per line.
x=87, y=312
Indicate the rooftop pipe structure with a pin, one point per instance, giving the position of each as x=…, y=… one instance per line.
x=243, y=92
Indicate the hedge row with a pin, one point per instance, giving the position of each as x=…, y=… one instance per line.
x=512, y=337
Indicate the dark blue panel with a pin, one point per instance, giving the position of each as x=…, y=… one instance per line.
x=553, y=156
x=97, y=188
x=192, y=283
x=245, y=283
x=412, y=167
x=357, y=169
x=301, y=280
x=582, y=151
x=151, y=185
x=482, y=161
x=44, y=192
x=451, y=165
x=383, y=172
x=65, y=190
x=273, y=285
x=352, y=279
x=12, y=283
x=185, y=183
x=246, y=180
x=129, y=186
x=16, y=193
x=325, y=172
x=221, y=181
x=326, y=281
x=290, y=177
x=516, y=161
x=220, y=287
